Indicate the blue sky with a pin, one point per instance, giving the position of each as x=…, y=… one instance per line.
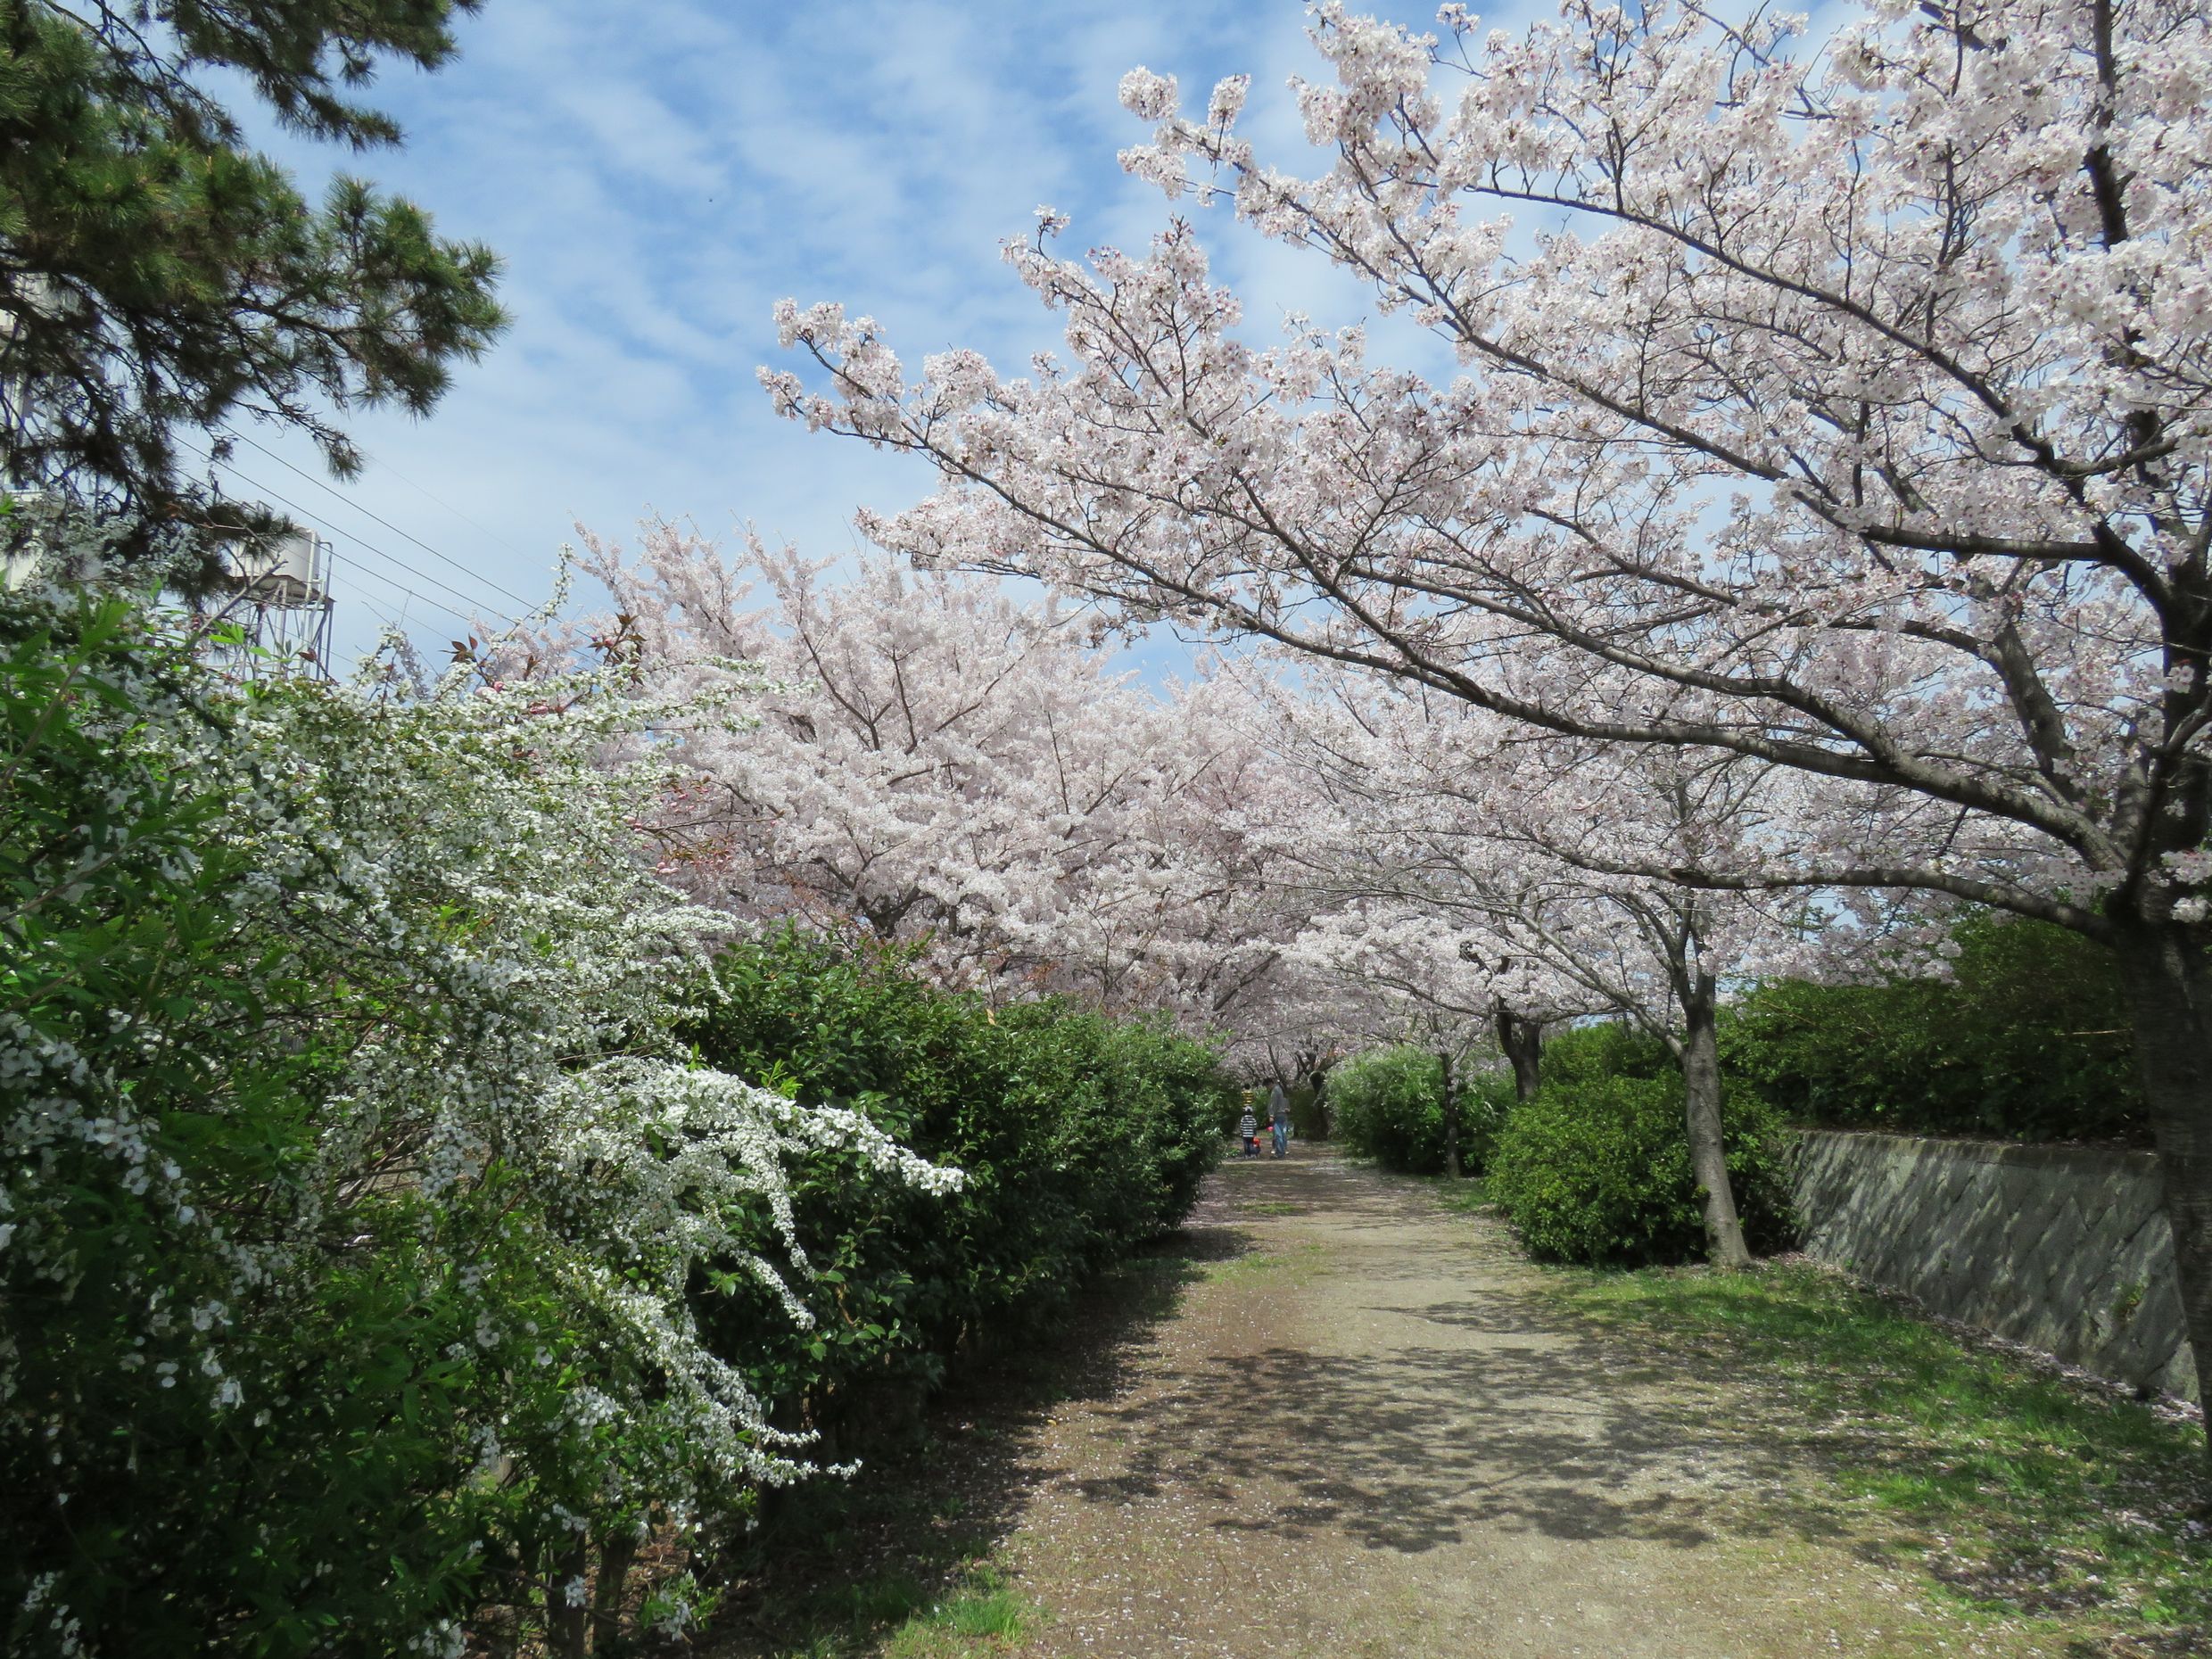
x=657, y=174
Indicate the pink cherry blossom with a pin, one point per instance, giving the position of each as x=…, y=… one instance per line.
x=1847, y=411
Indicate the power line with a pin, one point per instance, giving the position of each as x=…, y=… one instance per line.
x=439, y=500
x=371, y=548
x=527, y=604
x=393, y=621
x=352, y=571
x=362, y=542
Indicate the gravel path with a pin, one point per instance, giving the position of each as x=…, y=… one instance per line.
x=1365, y=1429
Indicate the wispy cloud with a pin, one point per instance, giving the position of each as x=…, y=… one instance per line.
x=658, y=174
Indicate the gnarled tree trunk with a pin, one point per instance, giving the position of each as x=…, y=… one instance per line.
x=1523, y=1042
x=1318, y=1076
x=616, y=1555
x=1451, y=1115
x=568, y=1619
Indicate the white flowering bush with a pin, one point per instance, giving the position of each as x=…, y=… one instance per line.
x=353, y=1184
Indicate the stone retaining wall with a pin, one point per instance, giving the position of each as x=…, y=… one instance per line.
x=2065, y=1249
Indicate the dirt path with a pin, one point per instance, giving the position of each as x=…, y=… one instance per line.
x=1367, y=1431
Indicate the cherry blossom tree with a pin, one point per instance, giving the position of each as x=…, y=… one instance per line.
x=1846, y=409
x=1493, y=869
x=1338, y=749
x=932, y=759
x=1414, y=975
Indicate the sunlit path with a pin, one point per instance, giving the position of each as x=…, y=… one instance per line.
x=1367, y=1431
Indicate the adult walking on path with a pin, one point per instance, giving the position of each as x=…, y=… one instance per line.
x=1279, y=1114
x=1455, y=1467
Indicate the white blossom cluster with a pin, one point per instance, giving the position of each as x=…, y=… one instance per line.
x=494, y=804
x=462, y=872
x=933, y=759
x=1839, y=408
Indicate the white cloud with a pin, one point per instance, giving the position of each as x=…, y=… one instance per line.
x=658, y=174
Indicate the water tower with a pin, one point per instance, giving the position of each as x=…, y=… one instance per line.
x=276, y=586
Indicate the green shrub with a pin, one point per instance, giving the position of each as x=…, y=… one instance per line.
x=1596, y=1169
x=1387, y=1104
x=1080, y=1137
x=1486, y=1100
x=1608, y=1048
x=2028, y=1040
x=351, y=1176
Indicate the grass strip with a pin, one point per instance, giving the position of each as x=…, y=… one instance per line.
x=2012, y=1485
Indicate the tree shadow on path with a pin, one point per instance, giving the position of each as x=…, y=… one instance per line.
x=1321, y=1357
x=843, y=1561
x=1462, y=1403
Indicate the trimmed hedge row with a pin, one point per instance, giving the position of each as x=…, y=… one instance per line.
x=1388, y=1105
x=1080, y=1136
x=1597, y=1171
x=2028, y=1040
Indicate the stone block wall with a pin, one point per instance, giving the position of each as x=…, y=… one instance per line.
x=2065, y=1249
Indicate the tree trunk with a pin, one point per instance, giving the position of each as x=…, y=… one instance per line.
x=1451, y=1116
x=615, y=1557
x=1708, y=1154
x=2171, y=980
x=1523, y=1042
x=1320, y=1077
x=566, y=1621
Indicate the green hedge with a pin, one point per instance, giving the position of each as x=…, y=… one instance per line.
x=338, y=1298
x=1387, y=1104
x=1080, y=1136
x=2028, y=1040
x=1596, y=1170
x=1610, y=1048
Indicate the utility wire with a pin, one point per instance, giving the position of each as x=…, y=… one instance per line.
x=371, y=548
x=480, y=608
x=527, y=604
x=366, y=545
x=352, y=571
x=392, y=621
x=492, y=536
